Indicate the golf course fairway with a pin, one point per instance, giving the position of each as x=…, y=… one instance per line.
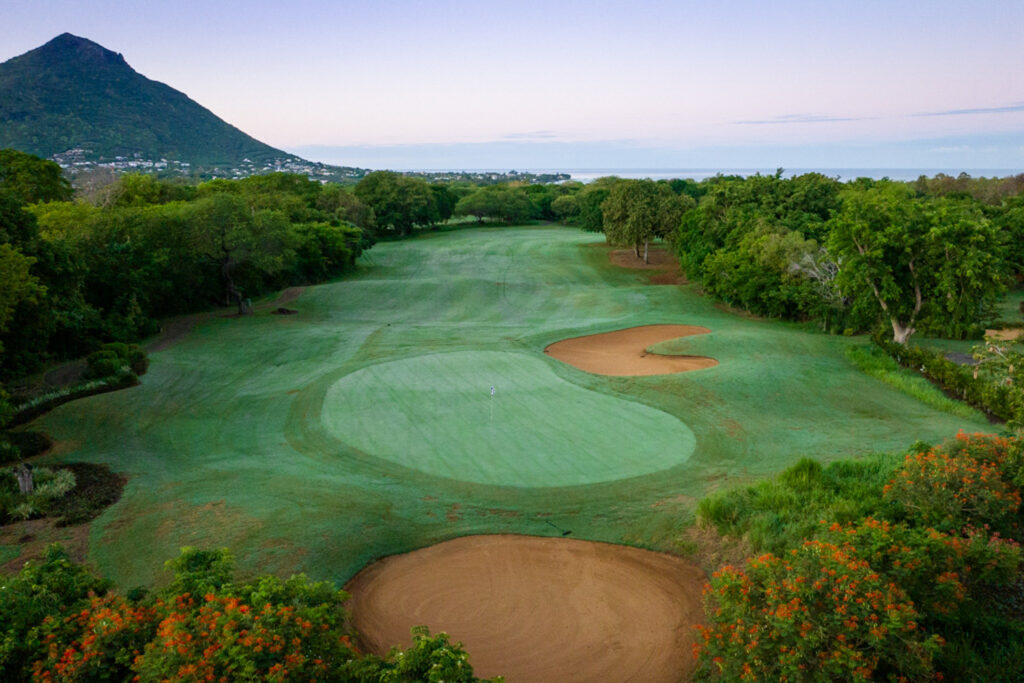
x=363, y=426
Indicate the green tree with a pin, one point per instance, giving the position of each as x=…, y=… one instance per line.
x=399, y=203
x=32, y=179
x=639, y=211
x=916, y=257
x=589, y=200
x=230, y=234
x=499, y=202
x=565, y=208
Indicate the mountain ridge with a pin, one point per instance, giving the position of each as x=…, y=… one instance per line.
x=74, y=94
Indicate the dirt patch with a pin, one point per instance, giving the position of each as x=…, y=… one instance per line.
x=173, y=332
x=66, y=374
x=33, y=537
x=662, y=265
x=657, y=259
x=286, y=297
x=539, y=609
x=1005, y=335
x=624, y=352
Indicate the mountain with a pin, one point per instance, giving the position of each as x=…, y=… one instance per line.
x=73, y=94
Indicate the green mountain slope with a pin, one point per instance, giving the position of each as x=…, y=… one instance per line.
x=73, y=93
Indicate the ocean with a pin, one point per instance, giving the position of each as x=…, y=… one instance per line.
x=585, y=175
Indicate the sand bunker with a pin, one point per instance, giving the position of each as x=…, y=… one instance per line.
x=624, y=352
x=539, y=609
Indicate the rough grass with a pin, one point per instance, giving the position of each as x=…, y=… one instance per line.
x=880, y=365
x=233, y=438
x=781, y=512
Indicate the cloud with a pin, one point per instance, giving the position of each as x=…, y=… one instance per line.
x=797, y=118
x=534, y=135
x=1008, y=109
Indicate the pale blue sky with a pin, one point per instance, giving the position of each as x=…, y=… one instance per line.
x=914, y=81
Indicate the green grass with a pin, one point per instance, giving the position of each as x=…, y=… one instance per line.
x=879, y=365
x=779, y=513
x=356, y=429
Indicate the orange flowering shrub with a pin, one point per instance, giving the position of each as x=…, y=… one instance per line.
x=940, y=572
x=819, y=612
x=269, y=630
x=220, y=637
x=952, y=487
x=100, y=642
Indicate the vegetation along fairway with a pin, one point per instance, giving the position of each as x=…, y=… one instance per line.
x=364, y=426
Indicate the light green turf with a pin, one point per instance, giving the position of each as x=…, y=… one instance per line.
x=238, y=436
x=435, y=414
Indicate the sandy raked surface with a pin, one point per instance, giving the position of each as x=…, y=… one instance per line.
x=624, y=352
x=539, y=609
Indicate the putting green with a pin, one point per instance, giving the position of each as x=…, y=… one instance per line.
x=435, y=414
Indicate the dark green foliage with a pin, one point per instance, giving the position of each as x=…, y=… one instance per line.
x=53, y=587
x=201, y=571
x=9, y=452
x=47, y=402
x=28, y=443
x=399, y=203
x=113, y=358
x=73, y=93
x=31, y=179
x=155, y=249
x=497, y=202
x=849, y=256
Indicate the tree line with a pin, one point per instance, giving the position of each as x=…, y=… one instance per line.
x=933, y=256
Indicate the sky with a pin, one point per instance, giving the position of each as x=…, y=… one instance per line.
x=497, y=84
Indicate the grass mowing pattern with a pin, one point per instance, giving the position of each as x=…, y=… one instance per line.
x=435, y=414
x=225, y=442
x=879, y=365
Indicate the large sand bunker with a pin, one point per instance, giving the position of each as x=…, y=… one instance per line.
x=624, y=352
x=539, y=609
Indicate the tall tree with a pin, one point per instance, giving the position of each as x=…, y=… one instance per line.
x=32, y=179
x=399, y=203
x=916, y=258
x=639, y=211
x=229, y=233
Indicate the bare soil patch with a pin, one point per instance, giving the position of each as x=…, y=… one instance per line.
x=173, y=332
x=1011, y=334
x=662, y=265
x=624, y=352
x=285, y=297
x=34, y=536
x=657, y=259
x=539, y=609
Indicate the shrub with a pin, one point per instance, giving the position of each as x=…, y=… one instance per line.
x=951, y=490
x=943, y=574
x=54, y=587
x=99, y=642
x=817, y=613
x=223, y=636
x=50, y=485
x=8, y=452
x=113, y=359
x=269, y=630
